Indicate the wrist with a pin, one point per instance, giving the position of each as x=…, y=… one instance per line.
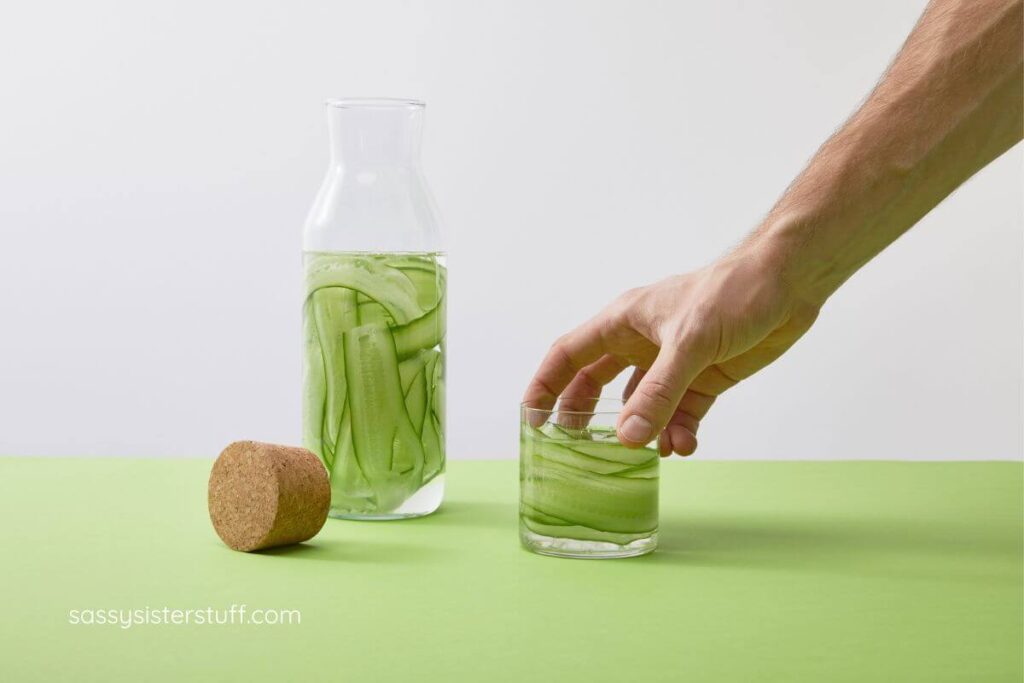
x=788, y=248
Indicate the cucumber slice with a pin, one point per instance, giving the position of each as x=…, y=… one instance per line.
x=555, y=452
x=424, y=332
x=315, y=390
x=581, y=533
x=387, y=286
x=431, y=433
x=374, y=388
x=409, y=368
x=416, y=374
x=384, y=439
x=600, y=502
x=433, y=448
x=334, y=310
x=437, y=397
x=369, y=312
x=615, y=452
x=537, y=515
x=350, y=490
x=587, y=489
x=563, y=433
x=642, y=472
x=428, y=281
x=404, y=261
x=416, y=400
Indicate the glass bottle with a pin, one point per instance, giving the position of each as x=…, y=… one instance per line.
x=374, y=317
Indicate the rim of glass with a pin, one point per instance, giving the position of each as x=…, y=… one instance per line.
x=600, y=403
x=375, y=103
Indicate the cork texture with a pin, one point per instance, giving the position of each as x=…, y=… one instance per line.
x=264, y=495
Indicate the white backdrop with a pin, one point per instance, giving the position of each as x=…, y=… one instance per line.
x=157, y=161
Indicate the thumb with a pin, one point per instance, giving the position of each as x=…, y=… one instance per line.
x=657, y=395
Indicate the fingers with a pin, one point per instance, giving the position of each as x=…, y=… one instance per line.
x=682, y=427
x=584, y=390
x=564, y=360
x=693, y=402
x=664, y=444
x=681, y=440
x=696, y=404
x=713, y=381
x=682, y=432
x=680, y=436
x=657, y=397
x=634, y=380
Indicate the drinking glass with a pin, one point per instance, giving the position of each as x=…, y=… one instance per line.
x=582, y=493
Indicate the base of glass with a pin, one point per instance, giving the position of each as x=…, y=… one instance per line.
x=585, y=550
x=419, y=504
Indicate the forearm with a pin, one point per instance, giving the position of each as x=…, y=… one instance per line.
x=950, y=104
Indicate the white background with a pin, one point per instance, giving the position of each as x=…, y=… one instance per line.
x=157, y=161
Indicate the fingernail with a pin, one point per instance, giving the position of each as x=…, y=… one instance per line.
x=637, y=429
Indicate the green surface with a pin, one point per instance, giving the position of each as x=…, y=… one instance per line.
x=767, y=571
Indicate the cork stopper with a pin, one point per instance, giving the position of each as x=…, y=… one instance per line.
x=262, y=495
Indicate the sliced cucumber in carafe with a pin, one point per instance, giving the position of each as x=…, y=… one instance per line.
x=374, y=377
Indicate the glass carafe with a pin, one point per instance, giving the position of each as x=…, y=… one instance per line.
x=374, y=317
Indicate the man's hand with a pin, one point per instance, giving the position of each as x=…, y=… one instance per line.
x=690, y=337
x=950, y=103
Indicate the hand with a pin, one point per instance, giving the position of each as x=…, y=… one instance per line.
x=690, y=337
x=948, y=105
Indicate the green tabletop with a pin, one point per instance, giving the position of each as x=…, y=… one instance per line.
x=771, y=571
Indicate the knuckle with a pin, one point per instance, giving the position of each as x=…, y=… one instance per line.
x=538, y=390
x=635, y=294
x=700, y=318
x=626, y=302
x=699, y=331
x=657, y=391
x=586, y=381
x=631, y=294
x=559, y=349
x=559, y=352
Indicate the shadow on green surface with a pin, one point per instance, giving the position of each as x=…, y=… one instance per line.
x=353, y=551
x=297, y=550
x=501, y=516
x=890, y=547
x=479, y=515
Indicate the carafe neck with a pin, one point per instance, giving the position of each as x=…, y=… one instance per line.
x=375, y=133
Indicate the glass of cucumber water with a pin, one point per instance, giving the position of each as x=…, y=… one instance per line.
x=582, y=493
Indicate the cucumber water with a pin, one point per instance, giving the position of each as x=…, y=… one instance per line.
x=374, y=379
x=584, y=494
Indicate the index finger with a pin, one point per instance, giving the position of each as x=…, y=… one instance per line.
x=566, y=357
